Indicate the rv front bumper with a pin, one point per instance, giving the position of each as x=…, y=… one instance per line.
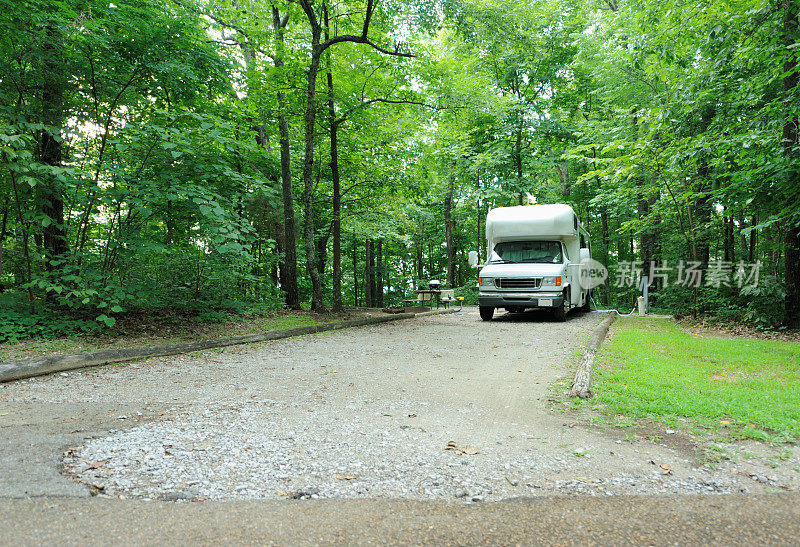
x=539, y=300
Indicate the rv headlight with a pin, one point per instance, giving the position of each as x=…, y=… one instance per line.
x=552, y=280
x=486, y=282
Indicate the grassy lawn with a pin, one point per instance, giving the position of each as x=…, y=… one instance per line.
x=740, y=387
x=164, y=328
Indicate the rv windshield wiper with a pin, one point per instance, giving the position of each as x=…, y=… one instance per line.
x=503, y=261
x=537, y=260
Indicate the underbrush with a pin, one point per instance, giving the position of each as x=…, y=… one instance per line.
x=47, y=331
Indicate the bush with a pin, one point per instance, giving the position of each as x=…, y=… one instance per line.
x=760, y=306
x=18, y=323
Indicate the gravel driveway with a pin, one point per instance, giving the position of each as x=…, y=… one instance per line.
x=441, y=407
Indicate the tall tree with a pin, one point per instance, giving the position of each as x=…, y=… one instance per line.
x=791, y=155
x=318, y=48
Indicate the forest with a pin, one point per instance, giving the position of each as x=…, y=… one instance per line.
x=232, y=154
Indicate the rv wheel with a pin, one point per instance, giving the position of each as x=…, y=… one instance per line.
x=486, y=312
x=560, y=313
x=587, y=306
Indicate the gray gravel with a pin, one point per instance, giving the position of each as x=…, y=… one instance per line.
x=269, y=449
x=363, y=413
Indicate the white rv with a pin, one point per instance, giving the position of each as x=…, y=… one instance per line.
x=534, y=255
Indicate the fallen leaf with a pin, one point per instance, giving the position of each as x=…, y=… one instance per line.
x=451, y=446
x=96, y=465
x=412, y=415
x=724, y=422
x=469, y=450
x=345, y=477
x=666, y=468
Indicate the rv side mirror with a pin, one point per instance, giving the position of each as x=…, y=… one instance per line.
x=585, y=254
x=473, y=258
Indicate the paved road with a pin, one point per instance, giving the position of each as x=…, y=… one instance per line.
x=682, y=520
x=480, y=384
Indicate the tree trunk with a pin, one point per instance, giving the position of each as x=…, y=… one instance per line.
x=308, y=170
x=420, y=266
x=647, y=238
x=3, y=226
x=322, y=254
x=646, y=201
x=54, y=235
x=606, y=251
x=728, y=244
x=379, y=274
x=280, y=243
x=308, y=193
x=337, y=198
x=790, y=142
x=742, y=238
x=355, y=271
x=369, y=274
x=563, y=177
x=448, y=226
x=703, y=207
x=518, y=162
x=289, y=283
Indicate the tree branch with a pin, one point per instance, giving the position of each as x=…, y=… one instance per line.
x=388, y=101
x=224, y=24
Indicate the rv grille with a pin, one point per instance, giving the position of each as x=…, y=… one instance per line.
x=519, y=283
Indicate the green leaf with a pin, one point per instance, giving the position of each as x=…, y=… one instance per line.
x=109, y=321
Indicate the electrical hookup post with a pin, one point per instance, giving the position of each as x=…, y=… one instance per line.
x=643, y=301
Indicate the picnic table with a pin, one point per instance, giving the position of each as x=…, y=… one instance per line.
x=439, y=297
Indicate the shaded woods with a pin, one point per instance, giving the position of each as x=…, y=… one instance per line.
x=223, y=154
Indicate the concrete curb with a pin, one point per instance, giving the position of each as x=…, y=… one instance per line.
x=582, y=384
x=19, y=369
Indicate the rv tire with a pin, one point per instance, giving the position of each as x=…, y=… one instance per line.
x=487, y=312
x=560, y=313
x=587, y=306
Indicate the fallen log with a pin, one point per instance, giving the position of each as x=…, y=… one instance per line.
x=582, y=383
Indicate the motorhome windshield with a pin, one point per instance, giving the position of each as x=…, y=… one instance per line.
x=543, y=252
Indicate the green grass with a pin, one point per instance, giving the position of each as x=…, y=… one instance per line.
x=741, y=387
